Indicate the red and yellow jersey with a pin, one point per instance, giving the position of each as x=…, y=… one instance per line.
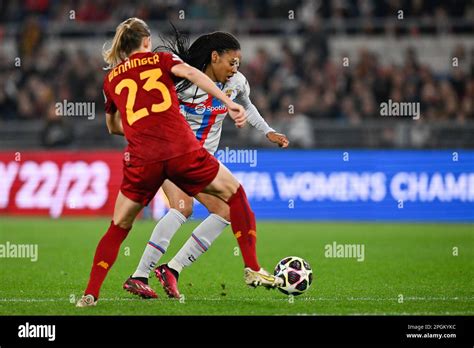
x=142, y=90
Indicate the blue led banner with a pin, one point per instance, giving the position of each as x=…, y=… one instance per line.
x=355, y=184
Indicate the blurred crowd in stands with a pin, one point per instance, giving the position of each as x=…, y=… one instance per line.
x=322, y=89
x=290, y=90
x=116, y=10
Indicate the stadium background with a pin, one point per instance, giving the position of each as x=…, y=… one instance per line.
x=319, y=72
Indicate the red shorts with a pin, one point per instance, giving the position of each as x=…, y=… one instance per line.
x=191, y=172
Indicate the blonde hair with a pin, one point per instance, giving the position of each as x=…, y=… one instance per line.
x=128, y=37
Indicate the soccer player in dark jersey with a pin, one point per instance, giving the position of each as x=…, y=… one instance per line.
x=142, y=104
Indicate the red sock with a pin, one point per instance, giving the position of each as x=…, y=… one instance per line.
x=243, y=224
x=105, y=256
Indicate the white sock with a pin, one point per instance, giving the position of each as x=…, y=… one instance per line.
x=199, y=242
x=159, y=242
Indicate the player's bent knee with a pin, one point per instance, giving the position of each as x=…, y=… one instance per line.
x=224, y=187
x=225, y=215
x=187, y=212
x=231, y=184
x=185, y=209
x=223, y=212
x=182, y=203
x=123, y=223
x=124, y=220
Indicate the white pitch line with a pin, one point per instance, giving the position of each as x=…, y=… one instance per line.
x=381, y=314
x=249, y=299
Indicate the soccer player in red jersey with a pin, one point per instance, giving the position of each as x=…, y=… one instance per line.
x=141, y=103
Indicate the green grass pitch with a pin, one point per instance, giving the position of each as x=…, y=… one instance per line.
x=408, y=269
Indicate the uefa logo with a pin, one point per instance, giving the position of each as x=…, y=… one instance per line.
x=200, y=109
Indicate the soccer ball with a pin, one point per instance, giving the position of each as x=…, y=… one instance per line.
x=296, y=273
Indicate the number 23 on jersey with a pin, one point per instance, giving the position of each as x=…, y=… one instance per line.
x=151, y=76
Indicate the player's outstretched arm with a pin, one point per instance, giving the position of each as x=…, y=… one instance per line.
x=114, y=123
x=257, y=121
x=201, y=80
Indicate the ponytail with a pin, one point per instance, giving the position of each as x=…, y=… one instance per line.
x=199, y=53
x=128, y=37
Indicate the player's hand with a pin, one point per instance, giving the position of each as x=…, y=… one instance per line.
x=237, y=113
x=278, y=138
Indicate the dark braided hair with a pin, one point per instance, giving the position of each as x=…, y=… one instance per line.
x=199, y=53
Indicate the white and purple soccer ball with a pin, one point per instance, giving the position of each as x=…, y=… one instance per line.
x=296, y=273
